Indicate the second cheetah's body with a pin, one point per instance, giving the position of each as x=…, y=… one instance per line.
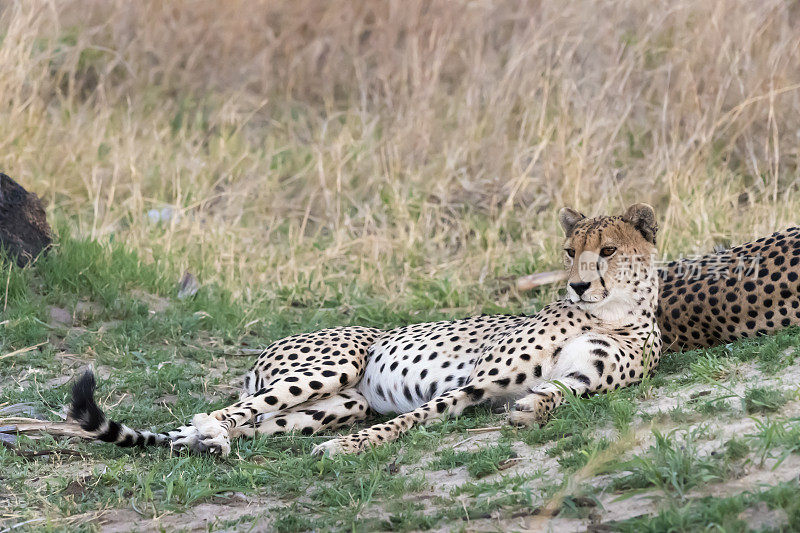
x=748, y=290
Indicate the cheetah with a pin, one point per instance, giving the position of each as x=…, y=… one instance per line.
x=602, y=336
x=748, y=290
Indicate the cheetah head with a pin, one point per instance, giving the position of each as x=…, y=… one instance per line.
x=610, y=259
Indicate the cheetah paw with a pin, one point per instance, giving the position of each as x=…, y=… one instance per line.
x=527, y=413
x=186, y=440
x=338, y=446
x=212, y=436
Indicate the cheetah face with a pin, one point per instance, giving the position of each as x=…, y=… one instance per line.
x=609, y=258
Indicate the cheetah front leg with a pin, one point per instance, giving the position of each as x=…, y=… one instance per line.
x=451, y=403
x=537, y=406
x=586, y=365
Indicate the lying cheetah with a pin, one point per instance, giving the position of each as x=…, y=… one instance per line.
x=603, y=336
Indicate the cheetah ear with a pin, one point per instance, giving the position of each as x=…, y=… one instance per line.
x=643, y=218
x=569, y=218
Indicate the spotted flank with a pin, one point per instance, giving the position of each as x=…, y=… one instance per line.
x=412, y=365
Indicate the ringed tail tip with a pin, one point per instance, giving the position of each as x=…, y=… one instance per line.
x=83, y=408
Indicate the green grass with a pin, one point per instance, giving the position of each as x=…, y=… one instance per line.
x=673, y=465
x=720, y=514
x=479, y=464
x=711, y=367
x=379, y=167
x=763, y=400
x=777, y=439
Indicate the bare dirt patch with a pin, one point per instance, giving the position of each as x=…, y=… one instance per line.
x=203, y=517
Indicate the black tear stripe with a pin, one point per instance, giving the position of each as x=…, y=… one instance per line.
x=602, y=281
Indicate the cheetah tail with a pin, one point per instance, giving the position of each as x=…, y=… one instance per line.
x=91, y=418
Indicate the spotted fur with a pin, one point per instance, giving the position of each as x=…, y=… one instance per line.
x=748, y=290
x=602, y=337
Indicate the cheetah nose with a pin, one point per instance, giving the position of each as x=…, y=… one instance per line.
x=579, y=287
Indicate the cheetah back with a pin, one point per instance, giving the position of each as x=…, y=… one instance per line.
x=751, y=289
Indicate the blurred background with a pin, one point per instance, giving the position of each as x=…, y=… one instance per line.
x=398, y=148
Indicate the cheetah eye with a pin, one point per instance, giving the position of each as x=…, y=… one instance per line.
x=608, y=251
x=570, y=252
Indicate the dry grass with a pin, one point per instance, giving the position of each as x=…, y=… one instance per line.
x=312, y=143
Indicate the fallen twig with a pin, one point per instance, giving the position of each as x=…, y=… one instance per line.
x=508, y=463
x=531, y=281
x=459, y=443
x=10, y=442
x=245, y=352
x=32, y=425
x=485, y=430
x=23, y=350
x=26, y=522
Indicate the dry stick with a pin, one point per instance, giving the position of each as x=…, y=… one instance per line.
x=32, y=425
x=505, y=464
x=15, y=526
x=459, y=443
x=245, y=351
x=5, y=299
x=23, y=350
x=484, y=430
x=526, y=283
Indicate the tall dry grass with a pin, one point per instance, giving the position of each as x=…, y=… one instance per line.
x=312, y=143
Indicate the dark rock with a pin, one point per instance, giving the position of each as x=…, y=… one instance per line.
x=24, y=232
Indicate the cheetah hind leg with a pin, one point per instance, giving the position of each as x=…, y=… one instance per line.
x=215, y=429
x=336, y=411
x=290, y=372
